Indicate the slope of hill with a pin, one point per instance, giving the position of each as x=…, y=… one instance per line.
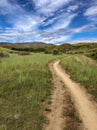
x=25, y=45
x=86, y=48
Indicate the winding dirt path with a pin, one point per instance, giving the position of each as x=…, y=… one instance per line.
x=86, y=109
x=60, y=112
x=56, y=121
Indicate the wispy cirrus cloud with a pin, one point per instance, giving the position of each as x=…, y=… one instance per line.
x=54, y=36
x=44, y=20
x=20, y=18
x=72, y=8
x=60, y=21
x=47, y=7
x=91, y=11
x=81, y=40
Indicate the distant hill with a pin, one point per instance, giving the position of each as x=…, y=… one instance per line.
x=85, y=45
x=25, y=45
x=44, y=47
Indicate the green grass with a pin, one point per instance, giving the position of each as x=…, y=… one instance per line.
x=83, y=70
x=5, y=49
x=25, y=83
x=4, y=52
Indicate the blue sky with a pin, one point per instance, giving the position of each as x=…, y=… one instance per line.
x=51, y=21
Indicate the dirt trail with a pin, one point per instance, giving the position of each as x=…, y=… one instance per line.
x=60, y=112
x=56, y=121
x=86, y=109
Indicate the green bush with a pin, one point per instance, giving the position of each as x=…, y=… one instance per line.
x=55, y=52
x=24, y=53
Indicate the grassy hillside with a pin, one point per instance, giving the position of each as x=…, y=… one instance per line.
x=4, y=49
x=49, y=48
x=83, y=70
x=25, y=45
x=4, y=52
x=25, y=83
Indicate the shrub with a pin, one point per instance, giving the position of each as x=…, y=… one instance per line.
x=47, y=52
x=55, y=52
x=24, y=53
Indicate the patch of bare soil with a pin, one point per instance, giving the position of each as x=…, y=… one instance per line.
x=72, y=120
x=60, y=112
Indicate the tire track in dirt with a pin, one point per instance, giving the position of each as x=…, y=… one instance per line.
x=56, y=121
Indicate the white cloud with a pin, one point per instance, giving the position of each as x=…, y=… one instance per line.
x=50, y=3
x=91, y=11
x=72, y=8
x=27, y=23
x=47, y=7
x=85, y=28
x=7, y=8
x=19, y=18
x=64, y=21
x=60, y=39
x=22, y=20
x=60, y=21
x=49, y=36
x=52, y=36
x=81, y=40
